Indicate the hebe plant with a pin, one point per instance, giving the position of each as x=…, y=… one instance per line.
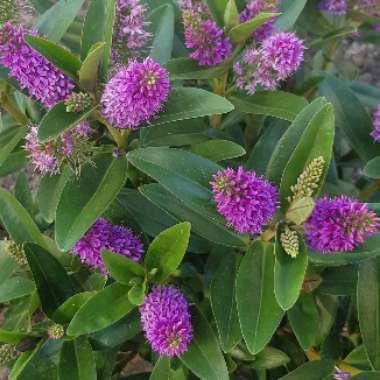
x=206, y=204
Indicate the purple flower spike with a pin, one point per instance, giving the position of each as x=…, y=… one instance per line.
x=339, y=225
x=340, y=375
x=166, y=321
x=135, y=94
x=247, y=201
x=376, y=124
x=33, y=72
x=333, y=7
x=105, y=236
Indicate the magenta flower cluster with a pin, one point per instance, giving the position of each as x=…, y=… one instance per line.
x=130, y=24
x=47, y=158
x=334, y=7
x=339, y=225
x=166, y=321
x=247, y=201
x=376, y=124
x=203, y=36
x=135, y=94
x=33, y=72
x=278, y=57
x=106, y=236
x=253, y=8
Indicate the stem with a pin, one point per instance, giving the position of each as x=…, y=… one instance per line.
x=10, y=107
x=219, y=89
x=116, y=135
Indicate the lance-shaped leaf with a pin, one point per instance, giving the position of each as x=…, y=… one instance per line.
x=88, y=73
x=316, y=370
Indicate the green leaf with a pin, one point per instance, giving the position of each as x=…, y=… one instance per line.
x=54, y=286
x=269, y=358
x=56, y=20
x=23, y=193
x=11, y=337
x=16, y=220
x=368, y=250
x=186, y=68
x=240, y=33
x=15, y=287
x=49, y=193
x=304, y=320
x=223, y=302
x=203, y=356
x=290, y=11
x=231, y=15
x=282, y=105
x=368, y=298
x=289, y=274
x=57, y=120
x=21, y=362
x=162, y=28
x=96, y=313
x=167, y=250
x=201, y=225
x=316, y=141
x=356, y=125
x=218, y=150
x=300, y=210
x=190, y=103
x=259, y=313
x=121, y=268
x=56, y=55
x=316, y=370
x=372, y=168
x=14, y=162
x=68, y=309
x=9, y=139
x=88, y=73
x=161, y=370
x=289, y=140
x=76, y=361
x=98, y=27
x=217, y=8
x=366, y=376
x=85, y=198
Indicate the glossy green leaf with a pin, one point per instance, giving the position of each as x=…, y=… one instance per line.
x=190, y=103
x=368, y=298
x=161, y=370
x=9, y=139
x=356, y=125
x=16, y=220
x=121, y=268
x=290, y=11
x=14, y=162
x=259, y=312
x=186, y=68
x=316, y=141
x=85, y=198
x=57, y=120
x=167, y=250
x=162, y=27
x=49, y=193
x=316, y=370
x=282, y=105
x=76, y=361
x=203, y=356
x=96, y=313
x=98, y=27
x=15, y=287
x=223, y=302
x=88, y=73
x=304, y=320
x=217, y=8
x=289, y=140
x=269, y=358
x=11, y=337
x=240, y=33
x=58, y=56
x=372, y=168
x=289, y=274
x=218, y=150
x=231, y=15
x=22, y=192
x=56, y=20
x=54, y=286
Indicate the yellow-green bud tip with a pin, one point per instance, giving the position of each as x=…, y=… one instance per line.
x=56, y=331
x=289, y=242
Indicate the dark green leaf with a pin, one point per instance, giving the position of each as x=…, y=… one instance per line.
x=223, y=302
x=58, y=56
x=11, y=337
x=218, y=150
x=366, y=376
x=15, y=287
x=231, y=15
x=203, y=356
x=282, y=105
x=96, y=313
x=9, y=138
x=85, y=198
x=167, y=250
x=21, y=362
x=317, y=370
x=217, y=8
x=14, y=162
x=23, y=193
x=290, y=11
x=372, y=169
x=161, y=370
x=53, y=284
x=259, y=313
x=88, y=73
x=269, y=358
